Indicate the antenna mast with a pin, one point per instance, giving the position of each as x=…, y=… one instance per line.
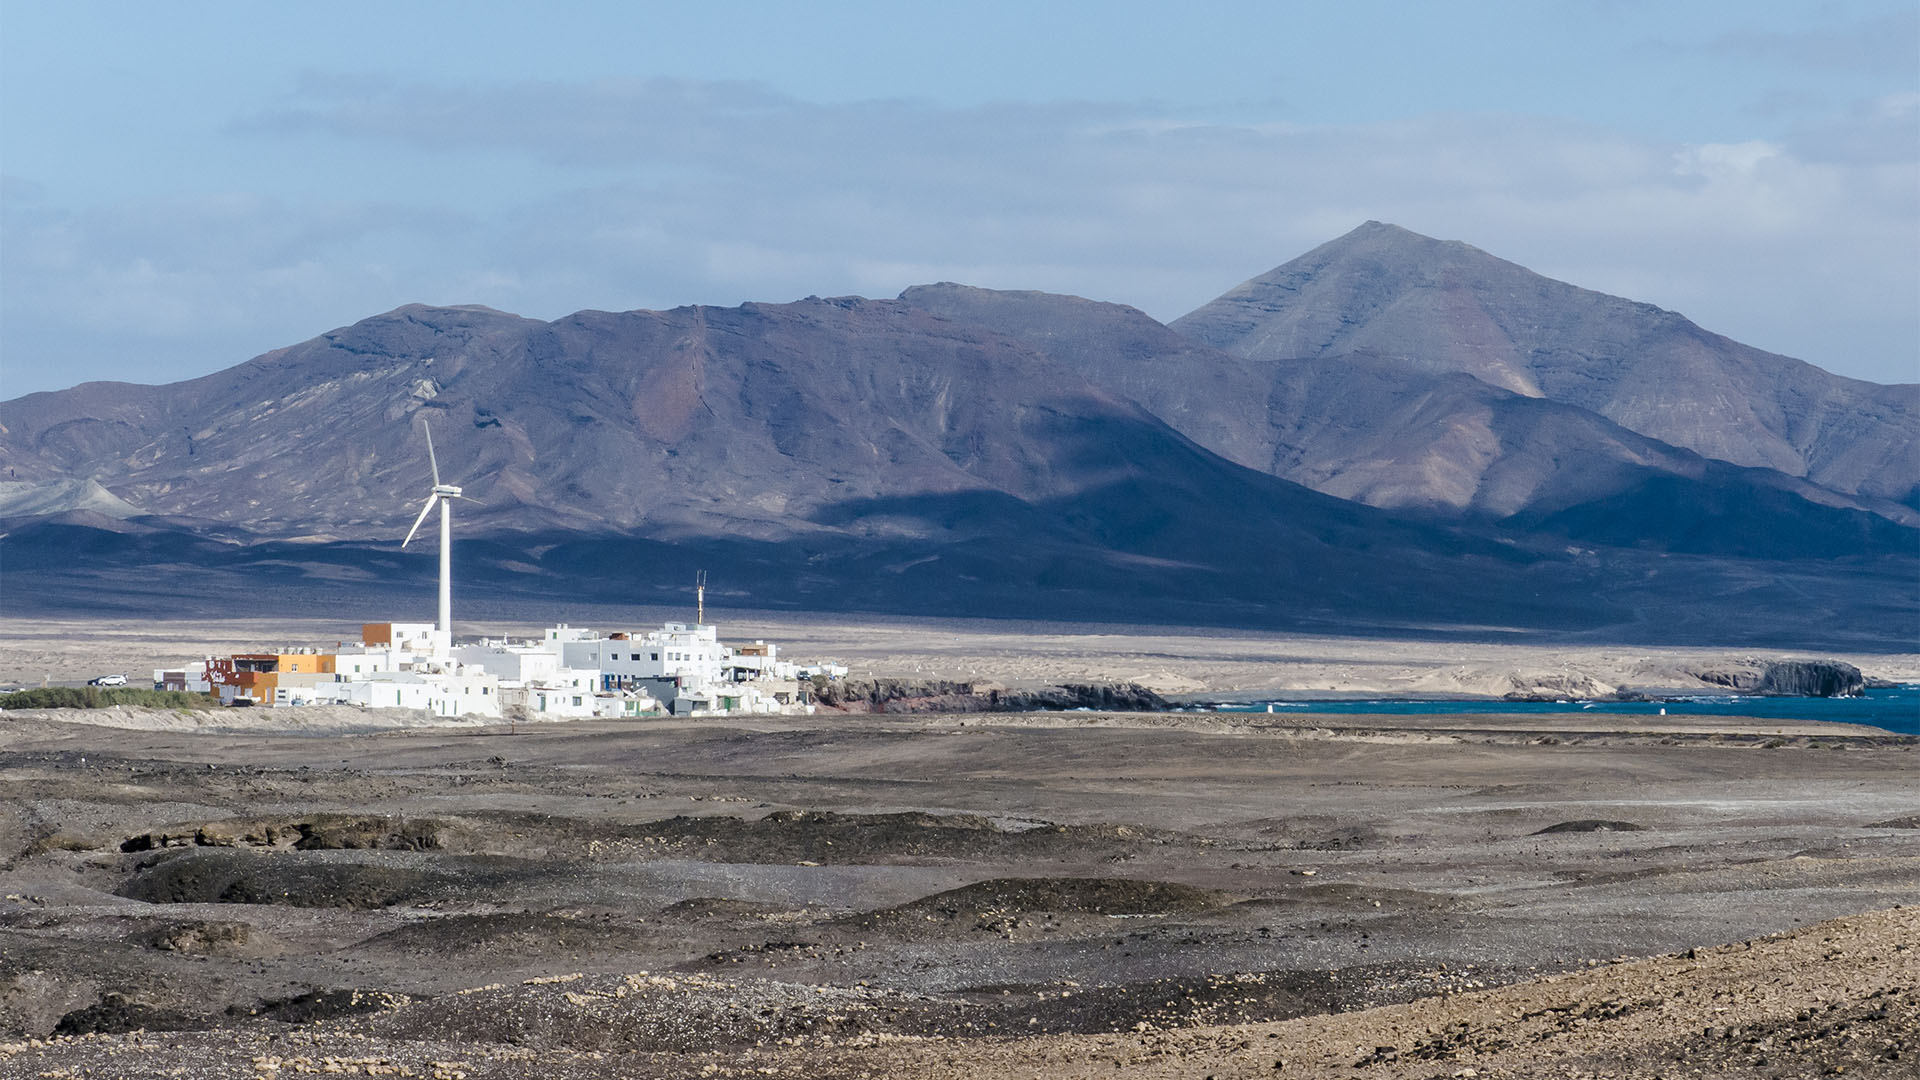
x=700, y=598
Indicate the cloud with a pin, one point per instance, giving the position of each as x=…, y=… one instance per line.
x=164, y=289
x=654, y=193
x=1882, y=46
x=1875, y=131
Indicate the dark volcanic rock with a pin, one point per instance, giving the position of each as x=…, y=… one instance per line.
x=117, y=1013
x=941, y=695
x=839, y=839
x=343, y=832
x=1067, y=895
x=1590, y=825
x=498, y=934
x=320, y=832
x=308, y=879
x=1810, y=678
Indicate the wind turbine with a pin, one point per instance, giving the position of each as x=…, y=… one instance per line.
x=444, y=494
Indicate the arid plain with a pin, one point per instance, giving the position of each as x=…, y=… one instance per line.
x=1080, y=894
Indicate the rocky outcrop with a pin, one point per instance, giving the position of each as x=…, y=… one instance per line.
x=941, y=696
x=1557, y=686
x=1740, y=677
x=1810, y=678
x=320, y=832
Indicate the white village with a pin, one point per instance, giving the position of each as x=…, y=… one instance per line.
x=568, y=672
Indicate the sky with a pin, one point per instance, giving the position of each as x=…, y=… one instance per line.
x=186, y=185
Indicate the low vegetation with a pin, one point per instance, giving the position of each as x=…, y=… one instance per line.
x=94, y=697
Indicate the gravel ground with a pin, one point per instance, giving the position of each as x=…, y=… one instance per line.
x=1077, y=895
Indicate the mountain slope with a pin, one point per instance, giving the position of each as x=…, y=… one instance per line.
x=712, y=418
x=1440, y=306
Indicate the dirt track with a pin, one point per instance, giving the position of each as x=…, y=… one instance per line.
x=833, y=895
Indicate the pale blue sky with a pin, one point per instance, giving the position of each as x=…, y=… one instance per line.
x=189, y=184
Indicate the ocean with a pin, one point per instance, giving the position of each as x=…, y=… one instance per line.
x=1897, y=709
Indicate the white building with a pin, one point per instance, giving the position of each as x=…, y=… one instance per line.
x=420, y=639
x=691, y=655
x=456, y=692
x=569, y=672
x=526, y=664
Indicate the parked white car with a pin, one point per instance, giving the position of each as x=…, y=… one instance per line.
x=108, y=680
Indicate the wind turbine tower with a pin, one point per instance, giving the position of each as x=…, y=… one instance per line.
x=444, y=494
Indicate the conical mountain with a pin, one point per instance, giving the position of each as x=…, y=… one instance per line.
x=1434, y=306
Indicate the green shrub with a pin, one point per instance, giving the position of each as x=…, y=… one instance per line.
x=97, y=697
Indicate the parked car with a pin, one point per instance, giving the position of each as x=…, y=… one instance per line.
x=107, y=680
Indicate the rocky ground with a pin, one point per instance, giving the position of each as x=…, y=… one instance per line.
x=1057, y=895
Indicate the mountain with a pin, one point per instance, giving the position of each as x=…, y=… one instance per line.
x=744, y=419
x=954, y=450
x=868, y=436
x=1375, y=431
x=1434, y=306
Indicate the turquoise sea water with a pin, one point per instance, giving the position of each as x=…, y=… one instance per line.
x=1897, y=709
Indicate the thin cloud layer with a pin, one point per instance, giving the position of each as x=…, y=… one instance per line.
x=1884, y=45
x=651, y=193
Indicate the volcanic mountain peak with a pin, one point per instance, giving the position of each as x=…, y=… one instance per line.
x=1439, y=305
x=1435, y=306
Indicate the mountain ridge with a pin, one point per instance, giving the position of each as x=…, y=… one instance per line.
x=959, y=448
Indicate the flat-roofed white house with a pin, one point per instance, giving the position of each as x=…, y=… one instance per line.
x=443, y=693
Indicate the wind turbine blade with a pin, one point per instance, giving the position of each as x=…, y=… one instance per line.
x=424, y=511
x=431, y=460
x=471, y=499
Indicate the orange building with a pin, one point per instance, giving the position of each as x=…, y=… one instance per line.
x=255, y=675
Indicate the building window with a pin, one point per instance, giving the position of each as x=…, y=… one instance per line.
x=656, y=656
